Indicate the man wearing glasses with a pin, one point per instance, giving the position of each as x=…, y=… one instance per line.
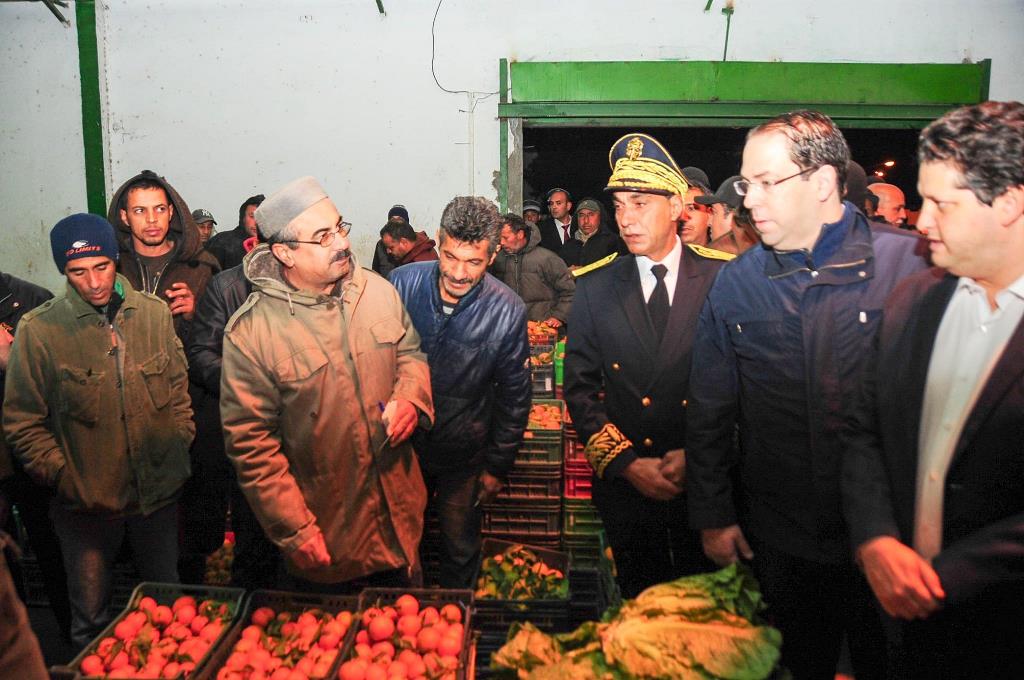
x=323, y=382
x=779, y=350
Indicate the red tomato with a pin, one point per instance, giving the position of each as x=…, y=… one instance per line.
x=382, y=650
x=429, y=616
x=92, y=665
x=184, y=601
x=451, y=613
x=409, y=624
x=353, y=670
x=125, y=630
x=162, y=615
x=376, y=672
x=262, y=616
x=407, y=605
x=362, y=637
x=184, y=614
x=147, y=604
x=427, y=639
x=198, y=624
x=369, y=615
x=381, y=628
x=449, y=646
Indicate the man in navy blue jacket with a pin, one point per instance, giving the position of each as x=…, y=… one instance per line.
x=473, y=330
x=779, y=350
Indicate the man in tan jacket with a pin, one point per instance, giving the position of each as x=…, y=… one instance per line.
x=323, y=382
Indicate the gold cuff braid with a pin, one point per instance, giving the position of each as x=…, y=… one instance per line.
x=604, y=447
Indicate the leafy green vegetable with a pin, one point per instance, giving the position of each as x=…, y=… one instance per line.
x=519, y=574
x=695, y=628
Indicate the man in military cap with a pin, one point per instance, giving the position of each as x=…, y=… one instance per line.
x=633, y=324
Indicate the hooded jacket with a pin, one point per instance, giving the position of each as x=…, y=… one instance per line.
x=109, y=429
x=304, y=377
x=422, y=250
x=189, y=263
x=539, y=277
x=229, y=246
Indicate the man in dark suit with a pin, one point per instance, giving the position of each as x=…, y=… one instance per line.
x=557, y=228
x=632, y=325
x=933, y=475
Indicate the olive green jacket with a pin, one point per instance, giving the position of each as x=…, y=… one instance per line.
x=302, y=384
x=110, y=429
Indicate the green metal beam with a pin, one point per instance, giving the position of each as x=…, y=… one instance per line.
x=503, y=137
x=738, y=81
x=719, y=114
x=92, y=122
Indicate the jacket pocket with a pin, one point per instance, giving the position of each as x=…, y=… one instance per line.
x=300, y=365
x=80, y=394
x=154, y=374
x=382, y=335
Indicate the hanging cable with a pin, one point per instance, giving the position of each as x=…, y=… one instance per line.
x=433, y=53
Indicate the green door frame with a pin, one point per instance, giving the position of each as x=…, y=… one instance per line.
x=719, y=94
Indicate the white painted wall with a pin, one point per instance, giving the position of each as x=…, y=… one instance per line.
x=228, y=98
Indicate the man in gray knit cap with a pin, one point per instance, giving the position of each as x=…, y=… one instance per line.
x=323, y=382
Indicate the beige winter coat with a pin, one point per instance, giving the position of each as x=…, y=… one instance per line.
x=301, y=391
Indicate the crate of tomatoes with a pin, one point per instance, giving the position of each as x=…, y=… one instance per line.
x=286, y=636
x=410, y=633
x=166, y=631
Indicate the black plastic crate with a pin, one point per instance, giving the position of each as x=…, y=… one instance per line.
x=581, y=518
x=532, y=484
x=282, y=601
x=166, y=594
x=542, y=380
x=551, y=615
x=542, y=451
x=586, y=550
x=527, y=520
x=428, y=597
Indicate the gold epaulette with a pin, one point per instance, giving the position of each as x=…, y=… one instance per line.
x=580, y=271
x=605, y=446
x=710, y=253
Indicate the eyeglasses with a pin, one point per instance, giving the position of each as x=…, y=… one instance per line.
x=340, y=229
x=743, y=186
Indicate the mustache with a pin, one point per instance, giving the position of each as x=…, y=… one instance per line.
x=341, y=255
x=457, y=282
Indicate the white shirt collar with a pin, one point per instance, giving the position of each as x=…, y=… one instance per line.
x=671, y=260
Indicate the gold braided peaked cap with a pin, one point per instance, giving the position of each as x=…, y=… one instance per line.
x=640, y=163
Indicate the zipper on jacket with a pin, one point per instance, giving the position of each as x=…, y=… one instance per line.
x=841, y=265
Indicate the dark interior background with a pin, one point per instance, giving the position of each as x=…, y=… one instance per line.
x=577, y=158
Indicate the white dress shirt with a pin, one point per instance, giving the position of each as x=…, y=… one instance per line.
x=970, y=340
x=647, y=278
x=560, y=226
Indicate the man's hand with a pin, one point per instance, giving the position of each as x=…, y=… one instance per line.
x=673, y=467
x=313, y=553
x=645, y=475
x=402, y=422
x=726, y=545
x=553, y=323
x=490, y=486
x=5, y=347
x=181, y=300
x=902, y=580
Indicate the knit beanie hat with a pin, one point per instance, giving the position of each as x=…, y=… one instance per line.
x=82, y=235
x=398, y=210
x=287, y=203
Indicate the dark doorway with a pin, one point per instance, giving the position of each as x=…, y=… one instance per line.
x=576, y=158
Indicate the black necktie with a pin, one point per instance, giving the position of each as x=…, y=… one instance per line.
x=657, y=305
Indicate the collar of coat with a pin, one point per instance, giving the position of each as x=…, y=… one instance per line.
x=265, y=272
x=842, y=245
x=82, y=308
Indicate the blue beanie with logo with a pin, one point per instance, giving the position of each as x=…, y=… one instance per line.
x=82, y=235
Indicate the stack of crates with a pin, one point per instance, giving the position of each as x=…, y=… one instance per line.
x=542, y=360
x=529, y=507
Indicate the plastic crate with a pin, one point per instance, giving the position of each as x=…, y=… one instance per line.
x=432, y=597
x=573, y=448
x=586, y=550
x=540, y=451
x=535, y=483
x=525, y=520
x=547, y=433
x=580, y=517
x=579, y=481
x=282, y=601
x=550, y=615
x=542, y=380
x=166, y=594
